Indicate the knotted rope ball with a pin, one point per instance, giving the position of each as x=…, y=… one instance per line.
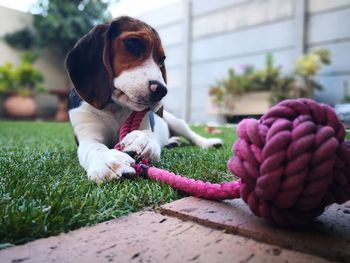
x=292, y=164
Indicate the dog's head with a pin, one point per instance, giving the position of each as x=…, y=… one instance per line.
x=122, y=61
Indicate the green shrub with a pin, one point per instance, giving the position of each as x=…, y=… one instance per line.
x=299, y=83
x=24, y=79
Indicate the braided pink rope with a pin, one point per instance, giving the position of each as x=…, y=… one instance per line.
x=293, y=163
x=227, y=190
x=132, y=123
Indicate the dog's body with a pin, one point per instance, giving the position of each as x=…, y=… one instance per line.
x=118, y=68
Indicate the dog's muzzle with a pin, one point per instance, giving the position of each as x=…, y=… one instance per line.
x=158, y=91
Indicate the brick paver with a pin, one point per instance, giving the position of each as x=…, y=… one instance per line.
x=150, y=237
x=328, y=237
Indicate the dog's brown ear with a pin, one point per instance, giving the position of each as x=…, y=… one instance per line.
x=163, y=70
x=89, y=68
x=158, y=48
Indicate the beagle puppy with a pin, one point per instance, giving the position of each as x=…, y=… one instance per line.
x=117, y=68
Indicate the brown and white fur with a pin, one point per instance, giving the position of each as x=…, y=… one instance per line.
x=117, y=68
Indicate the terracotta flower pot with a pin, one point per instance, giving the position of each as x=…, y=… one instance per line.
x=16, y=106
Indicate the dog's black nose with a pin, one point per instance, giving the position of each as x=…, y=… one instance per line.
x=158, y=90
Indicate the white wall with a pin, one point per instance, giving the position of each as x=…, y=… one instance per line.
x=329, y=26
x=231, y=33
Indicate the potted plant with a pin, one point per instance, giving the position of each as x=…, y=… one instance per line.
x=226, y=91
x=18, y=85
x=307, y=66
x=231, y=95
x=261, y=88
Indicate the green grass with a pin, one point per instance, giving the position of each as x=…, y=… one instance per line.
x=44, y=191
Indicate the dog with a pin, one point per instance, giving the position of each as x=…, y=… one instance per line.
x=117, y=68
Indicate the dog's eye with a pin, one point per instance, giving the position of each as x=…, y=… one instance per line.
x=161, y=61
x=135, y=46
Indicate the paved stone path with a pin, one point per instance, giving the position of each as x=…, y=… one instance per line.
x=212, y=232
x=328, y=237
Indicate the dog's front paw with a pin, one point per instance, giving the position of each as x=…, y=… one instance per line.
x=111, y=165
x=142, y=144
x=211, y=143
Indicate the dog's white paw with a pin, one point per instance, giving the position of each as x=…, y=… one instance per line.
x=173, y=142
x=142, y=144
x=211, y=143
x=111, y=165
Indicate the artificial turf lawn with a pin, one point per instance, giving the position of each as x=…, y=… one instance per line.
x=44, y=191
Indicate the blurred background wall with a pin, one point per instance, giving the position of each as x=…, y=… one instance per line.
x=48, y=63
x=203, y=38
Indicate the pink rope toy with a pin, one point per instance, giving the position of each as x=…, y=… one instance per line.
x=292, y=163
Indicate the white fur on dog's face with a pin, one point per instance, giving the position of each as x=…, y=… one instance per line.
x=131, y=87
